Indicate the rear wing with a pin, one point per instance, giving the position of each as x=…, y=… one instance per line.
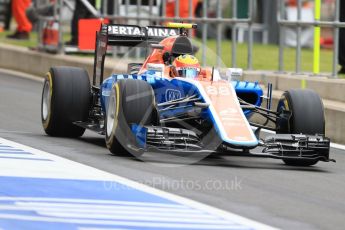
x=131, y=36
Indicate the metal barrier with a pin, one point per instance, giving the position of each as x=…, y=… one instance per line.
x=119, y=12
x=317, y=24
x=5, y=13
x=204, y=20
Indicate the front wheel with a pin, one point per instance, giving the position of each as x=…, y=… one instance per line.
x=131, y=104
x=306, y=116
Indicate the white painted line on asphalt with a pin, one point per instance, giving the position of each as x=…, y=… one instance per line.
x=87, y=201
x=338, y=146
x=74, y=170
x=22, y=75
x=180, y=209
x=113, y=211
x=14, y=131
x=101, y=229
x=120, y=223
x=140, y=217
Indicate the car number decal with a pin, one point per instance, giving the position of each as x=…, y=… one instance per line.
x=227, y=108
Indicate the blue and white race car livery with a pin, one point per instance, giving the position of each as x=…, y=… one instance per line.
x=170, y=104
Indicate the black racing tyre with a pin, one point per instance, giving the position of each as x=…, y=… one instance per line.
x=130, y=102
x=65, y=99
x=134, y=68
x=307, y=117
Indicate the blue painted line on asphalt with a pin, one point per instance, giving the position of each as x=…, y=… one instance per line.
x=25, y=158
x=77, y=189
x=15, y=152
x=5, y=149
x=61, y=201
x=9, y=152
x=9, y=149
x=62, y=204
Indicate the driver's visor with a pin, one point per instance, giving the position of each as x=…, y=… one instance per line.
x=188, y=72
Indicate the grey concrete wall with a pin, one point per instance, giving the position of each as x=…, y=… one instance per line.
x=327, y=88
x=37, y=63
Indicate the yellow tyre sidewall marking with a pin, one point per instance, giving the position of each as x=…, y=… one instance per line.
x=286, y=104
x=46, y=122
x=117, y=92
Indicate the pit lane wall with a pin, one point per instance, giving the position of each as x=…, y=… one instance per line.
x=332, y=91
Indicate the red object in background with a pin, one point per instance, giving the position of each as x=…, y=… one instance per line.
x=183, y=11
x=184, y=8
x=326, y=43
x=19, y=13
x=50, y=35
x=87, y=32
x=293, y=3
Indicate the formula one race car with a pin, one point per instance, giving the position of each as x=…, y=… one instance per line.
x=170, y=104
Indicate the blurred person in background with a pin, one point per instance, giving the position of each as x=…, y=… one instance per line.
x=341, y=49
x=184, y=8
x=80, y=12
x=24, y=26
x=183, y=11
x=39, y=9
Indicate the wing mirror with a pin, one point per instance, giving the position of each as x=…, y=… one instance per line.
x=234, y=74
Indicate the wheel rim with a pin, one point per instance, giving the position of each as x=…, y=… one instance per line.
x=111, y=114
x=46, y=100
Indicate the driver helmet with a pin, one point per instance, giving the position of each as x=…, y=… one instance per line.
x=186, y=66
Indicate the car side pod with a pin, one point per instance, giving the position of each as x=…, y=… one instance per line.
x=297, y=147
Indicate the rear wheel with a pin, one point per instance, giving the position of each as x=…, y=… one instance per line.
x=130, y=102
x=65, y=99
x=307, y=117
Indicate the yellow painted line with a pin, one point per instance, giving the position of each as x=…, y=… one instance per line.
x=317, y=30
